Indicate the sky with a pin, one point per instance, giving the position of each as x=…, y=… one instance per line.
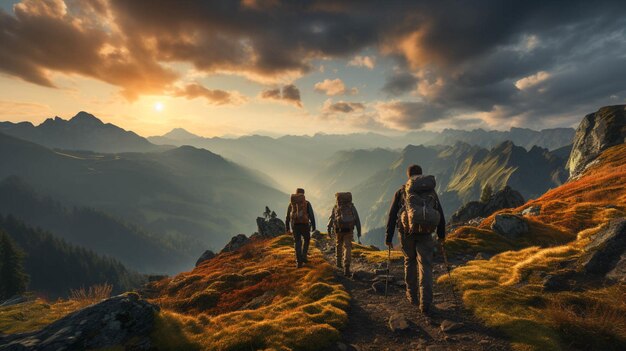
x=303, y=67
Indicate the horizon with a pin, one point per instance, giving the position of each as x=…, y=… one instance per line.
x=276, y=69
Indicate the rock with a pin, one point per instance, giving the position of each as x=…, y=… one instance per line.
x=532, y=211
x=484, y=342
x=235, y=243
x=111, y=323
x=510, y=226
x=606, y=249
x=316, y=235
x=505, y=198
x=448, y=326
x=475, y=222
x=398, y=322
x=445, y=306
x=597, y=132
x=270, y=228
x=480, y=256
x=379, y=287
x=562, y=281
x=207, y=255
x=363, y=275
x=436, y=348
x=390, y=278
x=341, y=346
x=15, y=300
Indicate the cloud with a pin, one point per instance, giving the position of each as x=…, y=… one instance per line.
x=342, y=107
x=408, y=115
x=363, y=61
x=532, y=80
x=333, y=87
x=400, y=83
x=213, y=96
x=289, y=94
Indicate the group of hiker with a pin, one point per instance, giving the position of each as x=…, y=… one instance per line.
x=415, y=211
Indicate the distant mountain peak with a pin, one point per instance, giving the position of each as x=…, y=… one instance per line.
x=85, y=117
x=180, y=134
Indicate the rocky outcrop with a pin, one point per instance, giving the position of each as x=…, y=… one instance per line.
x=270, y=228
x=207, y=255
x=606, y=252
x=597, y=132
x=235, y=243
x=121, y=320
x=510, y=226
x=505, y=198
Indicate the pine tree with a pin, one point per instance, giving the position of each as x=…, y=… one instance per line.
x=12, y=274
x=486, y=194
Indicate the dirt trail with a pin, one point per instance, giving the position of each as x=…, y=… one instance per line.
x=368, y=326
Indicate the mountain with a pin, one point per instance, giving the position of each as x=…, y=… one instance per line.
x=93, y=230
x=55, y=267
x=192, y=196
x=547, y=138
x=461, y=170
x=82, y=132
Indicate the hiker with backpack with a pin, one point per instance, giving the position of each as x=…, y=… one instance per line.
x=302, y=220
x=417, y=212
x=343, y=219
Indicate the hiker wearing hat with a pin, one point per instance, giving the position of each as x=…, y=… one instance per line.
x=343, y=219
x=301, y=219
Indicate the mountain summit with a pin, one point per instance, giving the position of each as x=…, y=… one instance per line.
x=82, y=132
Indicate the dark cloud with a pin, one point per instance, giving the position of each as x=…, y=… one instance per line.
x=289, y=94
x=343, y=107
x=400, y=83
x=213, y=96
x=409, y=115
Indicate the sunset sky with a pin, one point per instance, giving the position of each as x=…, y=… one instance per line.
x=301, y=67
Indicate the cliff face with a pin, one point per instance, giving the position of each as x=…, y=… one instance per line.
x=597, y=131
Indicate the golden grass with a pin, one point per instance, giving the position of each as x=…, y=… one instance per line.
x=506, y=291
x=34, y=315
x=258, y=302
x=92, y=294
x=374, y=255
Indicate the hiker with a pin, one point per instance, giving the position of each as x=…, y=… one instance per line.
x=417, y=212
x=343, y=219
x=302, y=220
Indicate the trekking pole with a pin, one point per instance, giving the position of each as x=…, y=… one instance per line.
x=388, y=271
x=445, y=261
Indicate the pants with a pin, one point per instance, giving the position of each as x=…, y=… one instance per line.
x=344, y=242
x=301, y=238
x=418, y=253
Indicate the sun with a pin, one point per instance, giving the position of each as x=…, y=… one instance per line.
x=158, y=106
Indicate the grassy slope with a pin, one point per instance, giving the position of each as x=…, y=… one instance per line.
x=505, y=291
x=254, y=298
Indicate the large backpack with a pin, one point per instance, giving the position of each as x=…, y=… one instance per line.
x=299, y=209
x=420, y=214
x=344, y=215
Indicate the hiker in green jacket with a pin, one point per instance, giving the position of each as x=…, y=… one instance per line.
x=301, y=219
x=342, y=221
x=417, y=212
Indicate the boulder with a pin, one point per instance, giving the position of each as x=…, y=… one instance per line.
x=597, y=132
x=235, y=243
x=510, y=226
x=618, y=273
x=271, y=227
x=207, y=255
x=124, y=320
x=505, y=198
x=606, y=249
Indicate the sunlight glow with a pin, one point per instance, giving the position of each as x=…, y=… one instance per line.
x=158, y=106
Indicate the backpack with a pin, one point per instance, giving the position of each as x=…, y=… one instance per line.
x=420, y=214
x=344, y=216
x=299, y=209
